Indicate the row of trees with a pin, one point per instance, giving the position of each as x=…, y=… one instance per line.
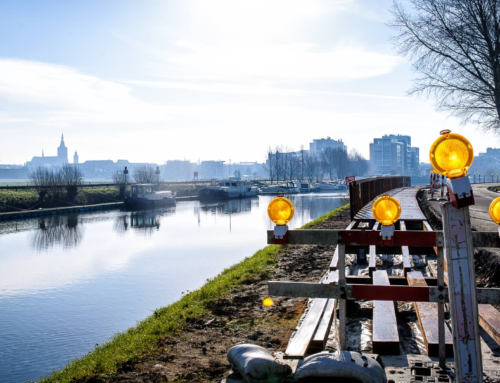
x=64, y=181
x=143, y=174
x=56, y=181
x=283, y=165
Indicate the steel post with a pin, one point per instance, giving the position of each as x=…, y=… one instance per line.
x=441, y=323
x=462, y=293
x=342, y=301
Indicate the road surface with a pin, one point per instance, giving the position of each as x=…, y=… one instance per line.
x=479, y=213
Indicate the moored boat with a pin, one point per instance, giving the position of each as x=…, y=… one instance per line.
x=326, y=187
x=148, y=196
x=285, y=187
x=228, y=189
x=306, y=188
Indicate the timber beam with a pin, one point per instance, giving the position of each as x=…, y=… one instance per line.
x=373, y=292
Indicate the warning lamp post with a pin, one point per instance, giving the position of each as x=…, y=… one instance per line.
x=451, y=155
x=386, y=210
x=280, y=211
x=495, y=211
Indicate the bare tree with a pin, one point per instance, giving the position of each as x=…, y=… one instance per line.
x=312, y=168
x=70, y=177
x=455, y=47
x=270, y=164
x=145, y=174
x=45, y=180
x=358, y=165
x=334, y=162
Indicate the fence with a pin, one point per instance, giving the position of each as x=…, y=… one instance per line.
x=363, y=191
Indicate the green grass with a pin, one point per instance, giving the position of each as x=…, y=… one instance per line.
x=102, y=194
x=144, y=339
x=326, y=217
x=26, y=199
x=12, y=200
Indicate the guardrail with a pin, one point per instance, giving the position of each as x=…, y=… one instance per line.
x=363, y=191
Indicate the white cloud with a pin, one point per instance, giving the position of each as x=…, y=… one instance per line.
x=295, y=62
x=61, y=92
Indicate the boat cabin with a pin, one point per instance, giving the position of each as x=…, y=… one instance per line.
x=140, y=190
x=149, y=192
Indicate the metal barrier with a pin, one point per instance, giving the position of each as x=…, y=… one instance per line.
x=363, y=191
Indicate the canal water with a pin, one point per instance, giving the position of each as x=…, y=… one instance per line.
x=69, y=282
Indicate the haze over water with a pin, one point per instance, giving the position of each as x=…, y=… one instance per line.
x=70, y=282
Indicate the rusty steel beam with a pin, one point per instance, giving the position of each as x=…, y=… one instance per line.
x=415, y=238
x=359, y=238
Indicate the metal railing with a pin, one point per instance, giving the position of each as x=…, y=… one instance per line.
x=363, y=191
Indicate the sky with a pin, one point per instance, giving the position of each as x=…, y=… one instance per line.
x=154, y=80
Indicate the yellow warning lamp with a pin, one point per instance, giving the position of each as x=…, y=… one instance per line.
x=268, y=302
x=280, y=211
x=386, y=210
x=451, y=155
x=495, y=210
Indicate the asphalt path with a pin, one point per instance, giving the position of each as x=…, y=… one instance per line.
x=479, y=213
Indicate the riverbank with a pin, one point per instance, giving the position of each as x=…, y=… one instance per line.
x=28, y=199
x=188, y=340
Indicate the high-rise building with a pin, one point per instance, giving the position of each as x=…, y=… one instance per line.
x=317, y=146
x=211, y=169
x=75, y=158
x=393, y=154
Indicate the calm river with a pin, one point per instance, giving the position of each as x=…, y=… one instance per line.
x=69, y=282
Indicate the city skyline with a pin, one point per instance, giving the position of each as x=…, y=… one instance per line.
x=188, y=79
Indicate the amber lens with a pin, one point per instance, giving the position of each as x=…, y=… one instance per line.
x=280, y=211
x=386, y=210
x=268, y=302
x=495, y=210
x=451, y=155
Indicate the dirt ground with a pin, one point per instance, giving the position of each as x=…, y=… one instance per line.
x=199, y=353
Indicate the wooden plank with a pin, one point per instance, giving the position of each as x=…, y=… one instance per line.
x=405, y=251
x=335, y=259
x=372, y=292
x=427, y=226
x=372, y=263
x=427, y=314
x=298, y=345
x=489, y=319
x=409, y=205
x=385, y=328
x=318, y=342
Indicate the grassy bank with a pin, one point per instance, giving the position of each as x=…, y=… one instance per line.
x=144, y=340
x=16, y=200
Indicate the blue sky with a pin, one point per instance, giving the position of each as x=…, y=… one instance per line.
x=156, y=80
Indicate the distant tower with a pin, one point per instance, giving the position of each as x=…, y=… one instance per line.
x=62, y=152
x=75, y=158
x=43, y=154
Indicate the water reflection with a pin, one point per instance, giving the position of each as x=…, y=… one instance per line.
x=56, y=307
x=57, y=230
x=145, y=222
x=233, y=206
